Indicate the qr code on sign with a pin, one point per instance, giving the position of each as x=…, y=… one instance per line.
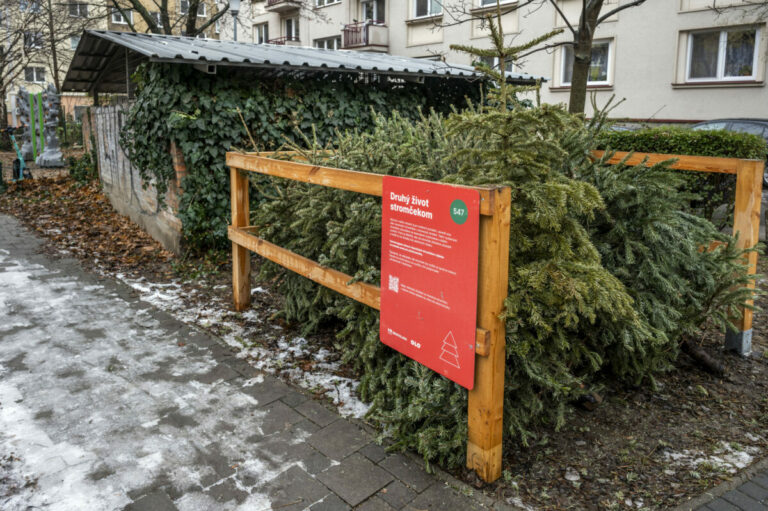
x=394, y=284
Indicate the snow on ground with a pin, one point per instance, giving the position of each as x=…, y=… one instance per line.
x=280, y=362
x=727, y=457
x=95, y=403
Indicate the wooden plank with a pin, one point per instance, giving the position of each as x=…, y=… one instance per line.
x=241, y=258
x=694, y=163
x=245, y=238
x=350, y=180
x=332, y=279
x=485, y=408
x=746, y=221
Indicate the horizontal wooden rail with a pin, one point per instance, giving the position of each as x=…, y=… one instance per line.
x=693, y=163
x=367, y=294
x=350, y=180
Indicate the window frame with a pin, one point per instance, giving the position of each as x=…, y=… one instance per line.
x=33, y=40
x=336, y=39
x=74, y=41
x=492, y=3
x=295, y=34
x=34, y=73
x=721, y=54
x=608, y=71
x=324, y=3
x=29, y=5
x=429, y=14
x=125, y=21
x=257, y=28
x=78, y=11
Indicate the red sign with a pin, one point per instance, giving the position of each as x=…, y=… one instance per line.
x=429, y=246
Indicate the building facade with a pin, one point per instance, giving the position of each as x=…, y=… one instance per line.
x=26, y=24
x=673, y=60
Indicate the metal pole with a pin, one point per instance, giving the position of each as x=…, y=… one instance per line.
x=234, y=23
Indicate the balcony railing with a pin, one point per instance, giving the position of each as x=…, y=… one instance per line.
x=284, y=40
x=359, y=34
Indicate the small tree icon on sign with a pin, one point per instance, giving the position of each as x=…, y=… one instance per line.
x=450, y=353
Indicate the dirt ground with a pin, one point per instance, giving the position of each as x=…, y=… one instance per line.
x=643, y=448
x=6, y=160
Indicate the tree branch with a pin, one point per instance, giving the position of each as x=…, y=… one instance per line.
x=562, y=15
x=618, y=9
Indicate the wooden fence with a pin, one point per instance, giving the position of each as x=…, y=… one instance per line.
x=486, y=399
x=746, y=213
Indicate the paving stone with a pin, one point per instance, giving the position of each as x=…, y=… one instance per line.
x=220, y=372
x=294, y=490
x=439, y=497
x=722, y=505
x=338, y=440
x=761, y=479
x=280, y=417
x=756, y=492
x=267, y=392
x=330, y=503
x=397, y=494
x=375, y=504
x=743, y=501
x=316, y=412
x=157, y=501
x=227, y=491
x=374, y=452
x=355, y=479
x=408, y=471
x=294, y=398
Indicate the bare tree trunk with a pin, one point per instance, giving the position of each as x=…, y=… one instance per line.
x=582, y=55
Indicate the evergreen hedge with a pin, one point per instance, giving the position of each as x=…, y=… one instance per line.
x=711, y=190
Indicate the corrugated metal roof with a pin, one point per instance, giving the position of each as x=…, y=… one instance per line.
x=98, y=63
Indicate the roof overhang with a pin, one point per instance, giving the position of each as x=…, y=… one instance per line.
x=104, y=60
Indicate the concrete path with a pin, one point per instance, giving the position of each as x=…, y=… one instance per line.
x=750, y=495
x=107, y=404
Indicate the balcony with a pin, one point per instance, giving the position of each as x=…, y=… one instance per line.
x=366, y=36
x=282, y=5
x=286, y=40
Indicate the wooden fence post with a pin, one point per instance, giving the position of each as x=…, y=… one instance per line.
x=485, y=408
x=241, y=257
x=746, y=222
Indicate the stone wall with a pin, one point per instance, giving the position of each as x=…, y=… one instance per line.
x=128, y=193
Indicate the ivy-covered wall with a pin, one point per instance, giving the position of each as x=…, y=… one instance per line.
x=202, y=114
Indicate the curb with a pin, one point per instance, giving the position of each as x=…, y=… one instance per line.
x=710, y=495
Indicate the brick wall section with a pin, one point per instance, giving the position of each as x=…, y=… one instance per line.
x=129, y=194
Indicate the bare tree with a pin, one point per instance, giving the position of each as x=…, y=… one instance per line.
x=581, y=31
x=164, y=20
x=20, y=44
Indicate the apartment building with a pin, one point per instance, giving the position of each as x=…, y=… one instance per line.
x=673, y=60
x=30, y=19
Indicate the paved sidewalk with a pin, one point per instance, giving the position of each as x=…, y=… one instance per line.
x=107, y=404
x=751, y=495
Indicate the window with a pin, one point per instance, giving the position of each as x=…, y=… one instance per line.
x=157, y=18
x=184, y=8
x=74, y=41
x=78, y=10
x=486, y=3
x=118, y=19
x=217, y=26
x=321, y=3
x=29, y=5
x=493, y=62
x=329, y=43
x=428, y=8
x=599, y=70
x=292, y=29
x=34, y=74
x=723, y=55
x=261, y=33
x=33, y=40
x=372, y=10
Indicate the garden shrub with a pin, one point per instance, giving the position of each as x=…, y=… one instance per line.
x=83, y=169
x=202, y=114
x=711, y=190
x=605, y=271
